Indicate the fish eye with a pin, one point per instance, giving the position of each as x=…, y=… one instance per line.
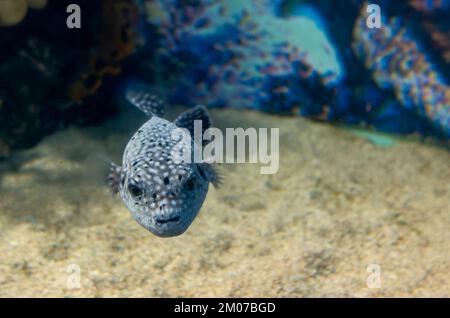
x=190, y=184
x=134, y=190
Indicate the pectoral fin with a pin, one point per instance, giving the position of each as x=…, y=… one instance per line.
x=209, y=173
x=114, y=177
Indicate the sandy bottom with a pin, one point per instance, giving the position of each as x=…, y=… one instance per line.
x=342, y=217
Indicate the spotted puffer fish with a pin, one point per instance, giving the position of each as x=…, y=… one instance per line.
x=164, y=194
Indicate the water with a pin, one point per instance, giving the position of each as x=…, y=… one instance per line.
x=352, y=211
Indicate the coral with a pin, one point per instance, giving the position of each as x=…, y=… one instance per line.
x=430, y=5
x=435, y=17
x=398, y=62
x=278, y=56
x=440, y=39
x=243, y=54
x=116, y=41
x=38, y=64
x=281, y=56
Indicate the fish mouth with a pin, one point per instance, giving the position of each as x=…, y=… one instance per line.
x=170, y=220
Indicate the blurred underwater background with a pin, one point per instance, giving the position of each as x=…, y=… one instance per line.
x=364, y=118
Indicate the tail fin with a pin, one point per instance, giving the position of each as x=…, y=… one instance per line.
x=140, y=95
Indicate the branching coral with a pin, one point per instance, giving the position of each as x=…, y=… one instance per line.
x=440, y=38
x=241, y=54
x=435, y=20
x=430, y=5
x=398, y=62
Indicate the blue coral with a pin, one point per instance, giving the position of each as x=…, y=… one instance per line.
x=242, y=54
x=250, y=54
x=398, y=62
x=430, y=5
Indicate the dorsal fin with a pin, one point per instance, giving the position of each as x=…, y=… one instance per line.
x=186, y=119
x=140, y=96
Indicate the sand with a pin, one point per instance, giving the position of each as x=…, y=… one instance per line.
x=342, y=217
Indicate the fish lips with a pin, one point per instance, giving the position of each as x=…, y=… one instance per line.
x=161, y=220
x=168, y=226
x=164, y=225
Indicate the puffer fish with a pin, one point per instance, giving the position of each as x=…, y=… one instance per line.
x=164, y=194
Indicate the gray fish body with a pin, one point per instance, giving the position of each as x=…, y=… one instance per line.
x=164, y=194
